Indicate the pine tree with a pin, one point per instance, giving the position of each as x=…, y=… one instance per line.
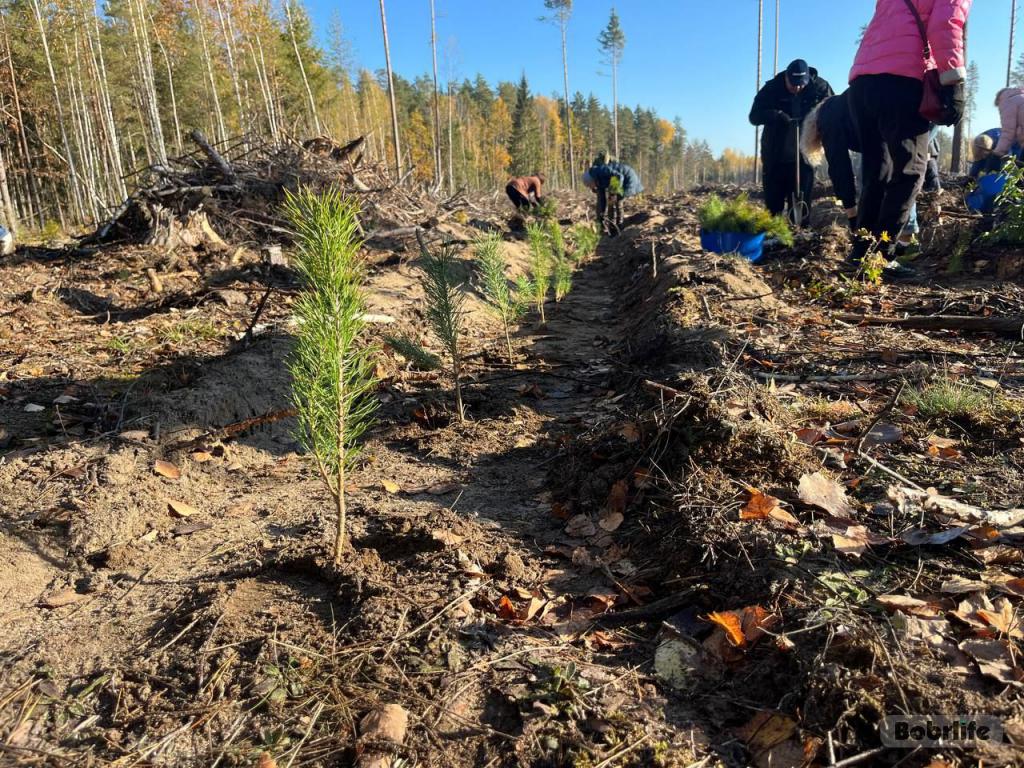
x=331, y=366
x=613, y=41
x=524, y=146
x=563, y=11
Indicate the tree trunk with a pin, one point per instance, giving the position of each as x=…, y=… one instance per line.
x=615, y=102
x=391, y=94
x=226, y=31
x=438, y=174
x=302, y=69
x=956, y=164
x=218, y=114
x=757, y=83
x=1013, y=30
x=568, y=108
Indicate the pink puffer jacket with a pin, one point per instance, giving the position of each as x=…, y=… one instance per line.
x=1011, y=115
x=892, y=43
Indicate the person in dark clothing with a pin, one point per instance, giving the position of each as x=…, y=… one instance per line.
x=524, y=191
x=613, y=182
x=781, y=106
x=828, y=134
x=932, y=180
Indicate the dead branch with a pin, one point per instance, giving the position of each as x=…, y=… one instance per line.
x=1012, y=326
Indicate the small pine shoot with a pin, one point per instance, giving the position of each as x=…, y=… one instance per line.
x=414, y=352
x=584, y=238
x=331, y=366
x=563, y=279
x=445, y=312
x=540, y=266
x=504, y=300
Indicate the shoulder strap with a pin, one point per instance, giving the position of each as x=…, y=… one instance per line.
x=920, y=28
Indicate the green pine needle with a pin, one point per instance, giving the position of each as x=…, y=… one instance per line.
x=332, y=367
x=540, y=265
x=505, y=300
x=445, y=313
x=414, y=352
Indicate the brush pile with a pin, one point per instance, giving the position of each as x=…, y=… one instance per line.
x=232, y=193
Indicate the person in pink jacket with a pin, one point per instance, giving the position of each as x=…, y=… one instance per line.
x=886, y=86
x=1011, y=116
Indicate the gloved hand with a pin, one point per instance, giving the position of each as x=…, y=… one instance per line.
x=782, y=118
x=954, y=99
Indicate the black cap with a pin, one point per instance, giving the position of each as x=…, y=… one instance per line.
x=798, y=73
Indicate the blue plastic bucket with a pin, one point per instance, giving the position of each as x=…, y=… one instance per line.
x=983, y=198
x=746, y=245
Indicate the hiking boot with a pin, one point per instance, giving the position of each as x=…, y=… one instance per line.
x=862, y=246
x=894, y=272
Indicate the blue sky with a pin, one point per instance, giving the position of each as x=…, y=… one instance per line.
x=695, y=59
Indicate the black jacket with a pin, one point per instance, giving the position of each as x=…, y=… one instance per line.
x=779, y=111
x=839, y=139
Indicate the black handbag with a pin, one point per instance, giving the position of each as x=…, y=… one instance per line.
x=932, y=108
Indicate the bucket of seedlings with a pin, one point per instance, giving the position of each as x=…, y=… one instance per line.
x=741, y=227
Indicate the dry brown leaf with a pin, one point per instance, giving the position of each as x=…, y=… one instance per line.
x=506, y=609
x=958, y=585
x=755, y=621
x=61, y=598
x=819, y=491
x=993, y=660
x=732, y=624
x=948, y=453
x=531, y=609
x=1000, y=555
x=201, y=457
x=762, y=506
x=810, y=435
x=181, y=509
x=580, y=527
x=266, y=761
x=908, y=604
x=440, y=489
x=854, y=541
x=390, y=486
x=941, y=442
x=610, y=521
x=1003, y=619
x=617, y=497
x=765, y=730
x=630, y=432
x=166, y=469
x=447, y=538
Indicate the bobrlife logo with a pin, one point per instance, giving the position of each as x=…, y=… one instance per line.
x=912, y=731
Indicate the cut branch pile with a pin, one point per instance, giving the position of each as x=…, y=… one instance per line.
x=232, y=193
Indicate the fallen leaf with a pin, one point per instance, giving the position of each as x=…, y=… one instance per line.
x=731, y=624
x=943, y=453
x=630, y=432
x=506, y=610
x=387, y=724
x=531, y=609
x=266, y=761
x=936, y=441
x=883, y=434
x=580, y=527
x=999, y=555
x=611, y=521
x=181, y=509
x=65, y=400
x=390, y=486
x=61, y=598
x=918, y=537
x=440, y=489
x=1003, y=618
x=187, y=529
x=447, y=538
x=819, y=491
x=761, y=506
x=34, y=408
x=201, y=457
x=993, y=660
x=853, y=542
x=617, y=496
x=166, y=469
x=765, y=730
x=810, y=435
x=908, y=604
x=958, y=585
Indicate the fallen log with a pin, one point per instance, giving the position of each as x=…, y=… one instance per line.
x=1012, y=326
x=215, y=157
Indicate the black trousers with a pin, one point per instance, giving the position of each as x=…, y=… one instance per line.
x=519, y=200
x=609, y=211
x=780, y=185
x=894, y=144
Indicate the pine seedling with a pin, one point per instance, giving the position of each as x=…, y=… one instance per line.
x=540, y=266
x=505, y=301
x=445, y=313
x=562, y=269
x=584, y=238
x=414, y=352
x=331, y=366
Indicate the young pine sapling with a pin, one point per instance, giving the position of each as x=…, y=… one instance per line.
x=445, y=313
x=540, y=266
x=562, y=269
x=506, y=301
x=332, y=366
